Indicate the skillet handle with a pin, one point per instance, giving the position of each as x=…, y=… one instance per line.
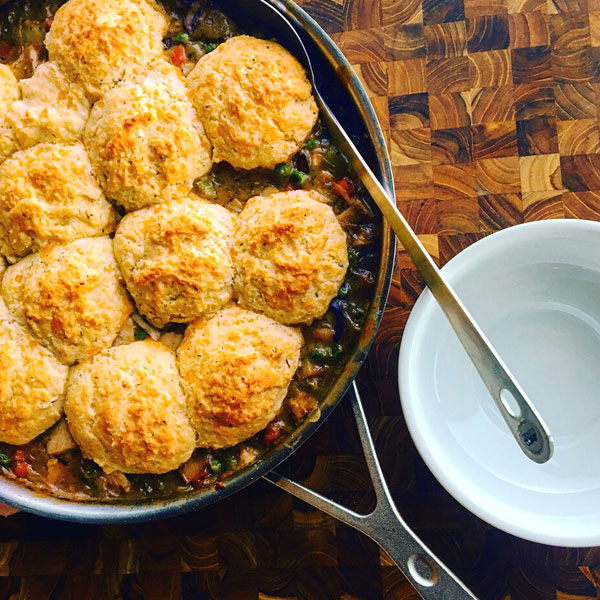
x=428, y=574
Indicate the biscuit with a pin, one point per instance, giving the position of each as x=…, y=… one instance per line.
x=126, y=411
x=9, y=92
x=74, y=299
x=9, y=89
x=32, y=384
x=96, y=43
x=254, y=100
x=235, y=370
x=52, y=109
x=145, y=139
x=290, y=256
x=48, y=194
x=8, y=143
x=12, y=287
x=175, y=259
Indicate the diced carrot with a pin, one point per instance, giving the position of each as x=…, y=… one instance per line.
x=343, y=188
x=178, y=56
x=348, y=185
x=21, y=469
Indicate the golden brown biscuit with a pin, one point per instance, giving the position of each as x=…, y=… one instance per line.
x=235, y=370
x=74, y=299
x=32, y=384
x=12, y=287
x=254, y=100
x=289, y=255
x=9, y=89
x=145, y=139
x=9, y=92
x=52, y=109
x=48, y=194
x=175, y=259
x=126, y=410
x=8, y=143
x=3, y=267
x=96, y=43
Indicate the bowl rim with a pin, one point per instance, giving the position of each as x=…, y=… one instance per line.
x=36, y=502
x=464, y=491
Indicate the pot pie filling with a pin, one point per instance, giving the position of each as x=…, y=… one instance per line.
x=188, y=252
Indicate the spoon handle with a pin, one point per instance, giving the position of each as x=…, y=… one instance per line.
x=522, y=418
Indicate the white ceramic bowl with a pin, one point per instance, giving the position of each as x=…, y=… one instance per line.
x=535, y=291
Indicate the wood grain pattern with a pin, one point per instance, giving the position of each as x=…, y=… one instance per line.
x=498, y=175
x=490, y=69
x=491, y=111
x=535, y=99
x=539, y=136
x=446, y=40
x=446, y=75
x=409, y=111
x=404, y=41
x=575, y=101
x=448, y=111
x=489, y=104
x=454, y=181
x=449, y=146
x=488, y=32
x=528, y=29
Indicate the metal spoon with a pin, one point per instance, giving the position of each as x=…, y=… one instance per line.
x=523, y=420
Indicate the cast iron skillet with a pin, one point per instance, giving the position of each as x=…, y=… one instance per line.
x=344, y=92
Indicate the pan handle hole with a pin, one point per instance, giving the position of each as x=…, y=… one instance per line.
x=423, y=570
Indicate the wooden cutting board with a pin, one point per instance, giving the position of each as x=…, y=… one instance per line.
x=490, y=108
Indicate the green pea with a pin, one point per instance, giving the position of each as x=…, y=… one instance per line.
x=319, y=353
x=139, y=333
x=298, y=178
x=216, y=466
x=210, y=47
x=231, y=461
x=310, y=143
x=283, y=170
x=182, y=38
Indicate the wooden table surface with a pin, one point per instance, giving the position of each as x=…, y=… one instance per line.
x=490, y=108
